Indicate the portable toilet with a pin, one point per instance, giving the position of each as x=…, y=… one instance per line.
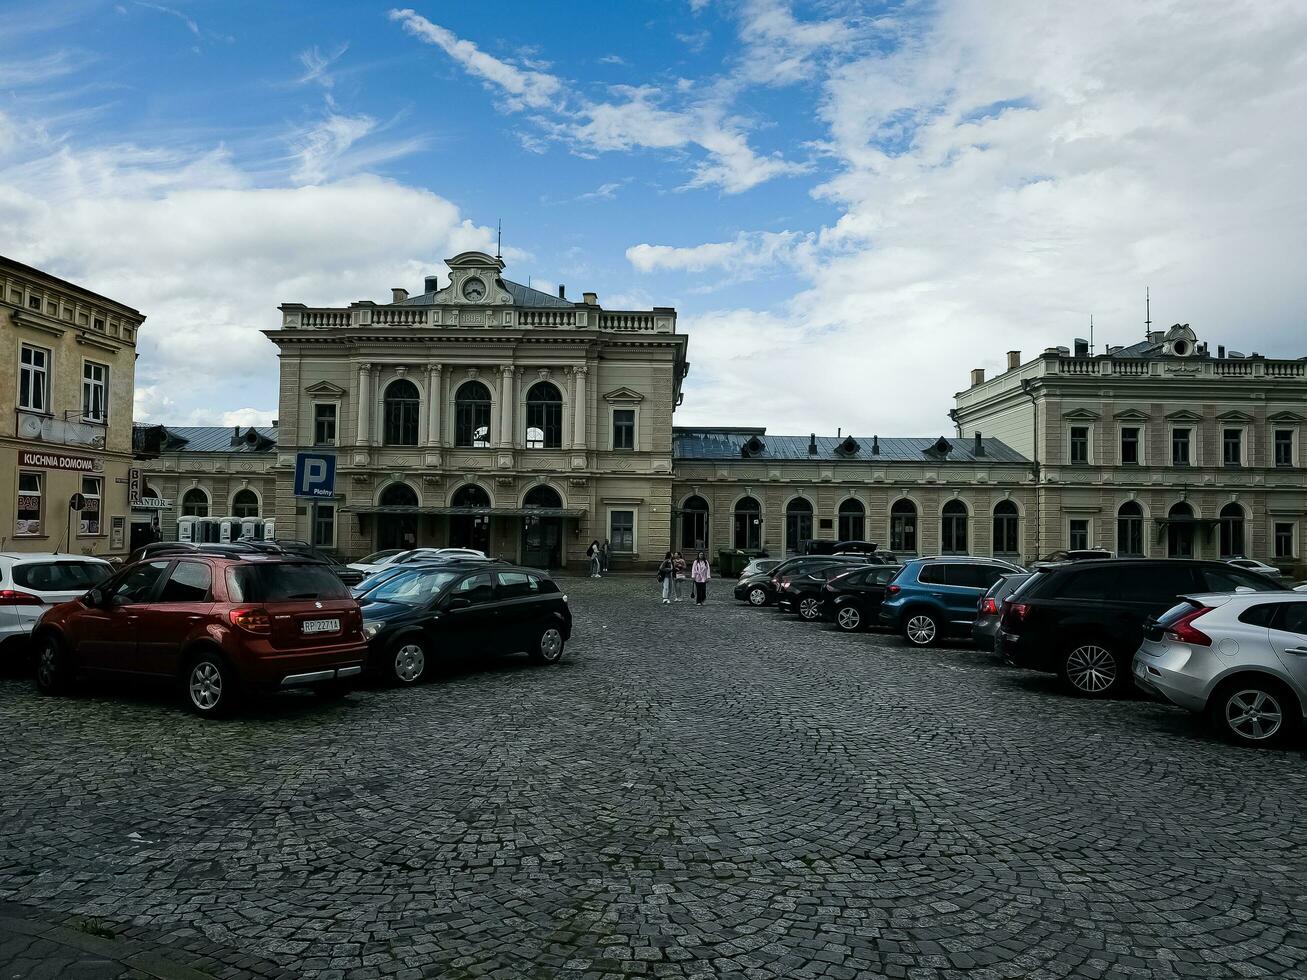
x=252, y=529
x=229, y=529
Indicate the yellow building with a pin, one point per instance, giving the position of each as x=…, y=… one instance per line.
x=67, y=378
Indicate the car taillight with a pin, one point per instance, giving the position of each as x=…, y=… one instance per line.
x=12, y=597
x=988, y=607
x=1015, y=612
x=1184, y=630
x=251, y=620
x=893, y=589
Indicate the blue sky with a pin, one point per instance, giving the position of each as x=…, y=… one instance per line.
x=884, y=194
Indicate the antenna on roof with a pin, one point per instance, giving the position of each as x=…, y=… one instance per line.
x=499, y=238
x=1148, y=314
x=1091, y=335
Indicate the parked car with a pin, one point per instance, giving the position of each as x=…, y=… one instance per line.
x=32, y=583
x=1072, y=554
x=990, y=610
x=463, y=608
x=418, y=554
x=1084, y=620
x=1241, y=659
x=761, y=589
x=220, y=625
x=934, y=598
x=758, y=566
x=302, y=549
x=158, y=549
x=1253, y=565
x=801, y=591
x=852, y=600
x=380, y=557
x=374, y=581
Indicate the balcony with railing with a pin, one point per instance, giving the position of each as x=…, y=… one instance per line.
x=296, y=316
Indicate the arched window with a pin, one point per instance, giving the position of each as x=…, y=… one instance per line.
x=399, y=495
x=472, y=415
x=694, y=523
x=747, y=521
x=542, y=496
x=853, y=520
x=1130, y=530
x=471, y=495
x=798, y=524
x=1007, y=528
x=149, y=493
x=1180, y=531
x=402, y=403
x=544, y=417
x=245, y=504
x=195, y=503
x=1232, y=543
x=903, y=527
x=953, y=528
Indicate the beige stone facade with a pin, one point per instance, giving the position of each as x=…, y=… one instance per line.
x=67, y=379
x=481, y=412
x=1162, y=448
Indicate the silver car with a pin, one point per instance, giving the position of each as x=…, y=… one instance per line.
x=1241, y=658
x=32, y=582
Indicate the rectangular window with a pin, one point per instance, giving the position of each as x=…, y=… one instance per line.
x=1130, y=446
x=1284, y=447
x=98, y=323
x=1180, y=447
x=1284, y=540
x=90, y=515
x=1079, y=444
x=324, y=525
x=621, y=531
x=1232, y=447
x=95, y=392
x=29, y=504
x=1130, y=534
x=624, y=428
x=1077, y=534
x=34, y=378
x=34, y=302
x=324, y=425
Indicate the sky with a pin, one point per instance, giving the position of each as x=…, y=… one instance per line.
x=850, y=204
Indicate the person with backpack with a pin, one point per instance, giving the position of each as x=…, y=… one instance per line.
x=701, y=573
x=666, y=575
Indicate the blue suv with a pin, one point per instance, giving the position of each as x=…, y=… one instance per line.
x=934, y=598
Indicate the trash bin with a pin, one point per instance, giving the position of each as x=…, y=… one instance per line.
x=730, y=563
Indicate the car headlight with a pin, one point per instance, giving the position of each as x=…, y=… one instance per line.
x=370, y=630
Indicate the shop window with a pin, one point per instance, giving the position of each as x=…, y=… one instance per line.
x=30, y=498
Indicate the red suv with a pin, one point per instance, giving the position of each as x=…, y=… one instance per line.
x=218, y=624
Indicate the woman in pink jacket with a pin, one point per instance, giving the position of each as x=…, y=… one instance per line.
x=701, y=573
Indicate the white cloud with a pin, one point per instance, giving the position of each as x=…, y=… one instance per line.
x=319, y=146
x=612, y=59
x=748, y=251
x=248, y=416
x=317, y=66
x=779, y=46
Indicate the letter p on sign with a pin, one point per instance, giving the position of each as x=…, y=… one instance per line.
x=315, y=475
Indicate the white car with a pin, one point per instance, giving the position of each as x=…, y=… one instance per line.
x=416, y=554
x=1253, y=565
x=32, y=583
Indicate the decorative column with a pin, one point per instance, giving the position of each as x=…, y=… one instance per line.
x=579, y=409
x=506, y=406
x=365, y=404
x=434, y=397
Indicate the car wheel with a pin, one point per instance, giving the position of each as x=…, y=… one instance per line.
x=849, y=619
x=1254, y=711
x=548, y=647
x=1091, y=669
x=757, y=596
x=921, y=629
x=54, y=672
x=810, y=609
x=210, y=686
x=408, y=661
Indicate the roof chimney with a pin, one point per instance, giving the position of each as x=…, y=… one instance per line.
x=812, y=444
x=235, y=431
x=431, y=284
x=274, y=424
x=591, y=299
x=875, y=445
x=398, y=294
x=1013, y=360
x=977, y=376
x=1220, y=350
x=980, y=446
x=562, y=291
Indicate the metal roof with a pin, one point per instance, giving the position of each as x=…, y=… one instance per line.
x=217, y=439
x=522, y=296
x=724, y=444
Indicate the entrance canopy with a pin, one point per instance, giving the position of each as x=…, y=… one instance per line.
x=467, y=511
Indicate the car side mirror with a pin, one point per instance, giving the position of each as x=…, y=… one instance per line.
x=457, y=602
x=94, y=598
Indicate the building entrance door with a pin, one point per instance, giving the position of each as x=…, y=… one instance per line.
x=470, y=530
x=542, y=541
x=1180, y=532
x=398, y=529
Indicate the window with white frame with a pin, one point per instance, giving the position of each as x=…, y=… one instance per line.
x=1181, y=446
x=28, y=518
x=1131, y=445
x=95, y=392
x=1231, y=446
x=1078, y=443
x=89, y=522
x=1284, y=447
x=1077, y=538
x=1284, y=535
x=324, y=424
x=623, y=428
x=34, y=378
x=621, y=531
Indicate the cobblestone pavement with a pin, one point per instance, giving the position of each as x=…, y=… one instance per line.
x=694, y=792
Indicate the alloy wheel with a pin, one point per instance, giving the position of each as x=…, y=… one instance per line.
x=47, y=666
x=921, y=630
x=1091, y=668
x=810, y=609
x=849, y=618
x=551, y=644
x=757, y=597
x=410, y=662
x=1254, y=715
x=206, y=685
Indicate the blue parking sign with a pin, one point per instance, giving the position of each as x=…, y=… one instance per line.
x=315, y=475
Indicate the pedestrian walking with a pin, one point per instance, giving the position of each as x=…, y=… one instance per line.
x=666, y=576
x=701, y=573
x=679, y=568
x=596, y=558
x=604, y=550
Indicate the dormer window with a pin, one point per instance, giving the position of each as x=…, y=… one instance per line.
x=849, y=447
x=753, y=447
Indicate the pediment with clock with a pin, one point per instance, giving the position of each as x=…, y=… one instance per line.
x=474, y=280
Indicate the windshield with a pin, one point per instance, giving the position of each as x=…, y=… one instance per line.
x=284, y=582
x=413, y=588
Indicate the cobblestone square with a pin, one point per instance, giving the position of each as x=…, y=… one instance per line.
x=694, y=792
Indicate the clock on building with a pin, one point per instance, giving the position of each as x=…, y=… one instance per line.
x=474, y=290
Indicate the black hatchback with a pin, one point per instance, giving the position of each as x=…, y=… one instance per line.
x=457, y=610
x=852, y=601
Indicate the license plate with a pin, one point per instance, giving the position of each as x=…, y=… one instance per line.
x=321, y=626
